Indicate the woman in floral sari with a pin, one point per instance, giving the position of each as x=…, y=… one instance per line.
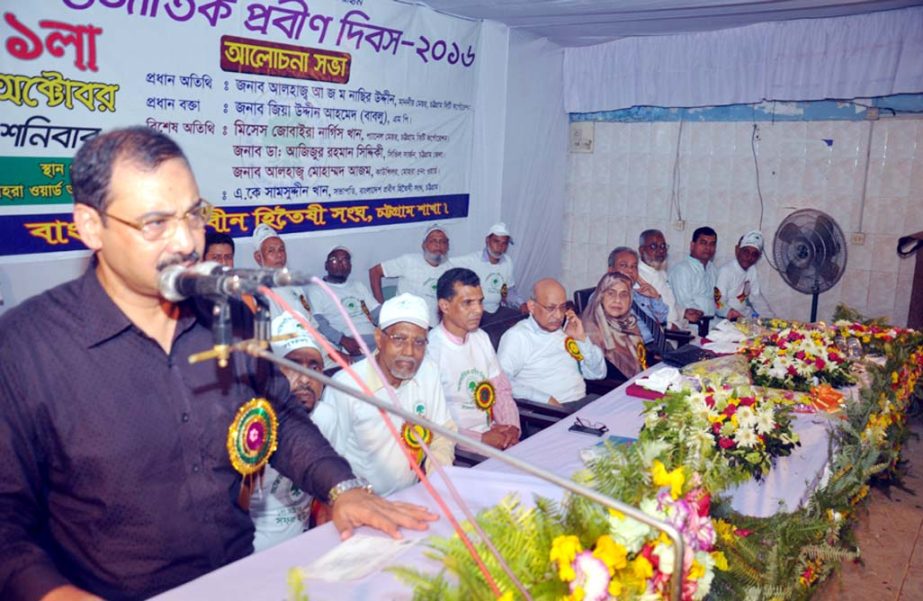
x=612, y=327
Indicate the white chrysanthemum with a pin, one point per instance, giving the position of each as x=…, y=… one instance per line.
x=745, y=417
x=765, y=421
x=746, y=438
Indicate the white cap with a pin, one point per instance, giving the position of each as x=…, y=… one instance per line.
x=404, y=307
x=434, y=228
x=286, y=324
x=343, y=248
x=753, y=239
x=261, y=233
x=500, y=229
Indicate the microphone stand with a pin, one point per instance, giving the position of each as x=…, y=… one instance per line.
x=257, y=348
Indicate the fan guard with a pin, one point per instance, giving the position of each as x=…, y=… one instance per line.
x=809, y=251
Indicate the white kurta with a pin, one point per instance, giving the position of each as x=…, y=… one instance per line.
x=416, y=276
x=661, y=282
x=539, y=366
x=462, y=366
x=694, y=285
x=493, y=277
x=357, y=432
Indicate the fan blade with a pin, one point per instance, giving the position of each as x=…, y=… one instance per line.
x=793, y=274
x=829, y=273
x=789, y=232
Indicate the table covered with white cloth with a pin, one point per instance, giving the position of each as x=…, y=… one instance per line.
x=264, y=575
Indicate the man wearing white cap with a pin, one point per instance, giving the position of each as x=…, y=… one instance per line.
x=270, y=254
x=738, y=287
x=278, y=507
x=417, y=273
x=357, y=430
x=495, y=270
x=353, y=295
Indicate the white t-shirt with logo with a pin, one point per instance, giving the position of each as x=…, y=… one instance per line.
x=351, y=294
x=416, y=276
x=493, y=277
x=461, y=368
x=279, y=510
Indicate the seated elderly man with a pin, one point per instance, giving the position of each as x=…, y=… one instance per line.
x=548, y=355
x=738, y=287
x=652, y=250
x=495, y=270
x=478, y=392
x=353, y=295
x=694, y=278
x=417, y=273
x=357, y=430
x=646, y=304
x=278, y=507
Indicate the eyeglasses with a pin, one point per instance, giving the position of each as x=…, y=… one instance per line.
x=337, y=261
x=401, y=341
x=158, y=227
x=656, y=246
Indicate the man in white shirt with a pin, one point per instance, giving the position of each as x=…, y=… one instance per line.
x=357, y=430
x=495, y=270
x=694, y=278
x=548, y=355
x=738, y=287
x=652, y=249
x=417, y=273
x=353, y=295
x=478, y=392
x=279, y=509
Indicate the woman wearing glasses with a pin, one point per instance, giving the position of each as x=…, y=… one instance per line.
x=612, y=327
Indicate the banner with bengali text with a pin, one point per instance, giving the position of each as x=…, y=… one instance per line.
x=307, y=115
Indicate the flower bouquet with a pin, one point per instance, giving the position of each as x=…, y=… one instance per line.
x=798, y=358
x=727, y=434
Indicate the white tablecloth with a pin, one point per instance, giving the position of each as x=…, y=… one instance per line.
x=263, y=575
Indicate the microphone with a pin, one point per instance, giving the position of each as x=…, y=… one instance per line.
x=212, y=279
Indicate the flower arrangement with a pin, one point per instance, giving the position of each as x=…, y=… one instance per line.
x=744, y=428
x=798, y=358
x=676, y=471
x=632, y=560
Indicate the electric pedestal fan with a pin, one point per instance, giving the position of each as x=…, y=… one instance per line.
x=810, y=252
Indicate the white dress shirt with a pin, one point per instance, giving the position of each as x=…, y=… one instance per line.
x=694, y=285
x=740, y=290
x=539, y=366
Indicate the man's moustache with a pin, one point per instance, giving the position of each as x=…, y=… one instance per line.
x=192, y=257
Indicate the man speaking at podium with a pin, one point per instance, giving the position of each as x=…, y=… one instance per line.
x=117, y=480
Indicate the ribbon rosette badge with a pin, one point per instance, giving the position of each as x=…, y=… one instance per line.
x=484, y=398
x=412, y=434
x=572, y=349
x=252, y=436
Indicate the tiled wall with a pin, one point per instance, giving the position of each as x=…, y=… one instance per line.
x=625, y=185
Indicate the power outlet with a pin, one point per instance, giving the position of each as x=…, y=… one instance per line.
x=872, y=113
x=679, y=225
x=858, y=238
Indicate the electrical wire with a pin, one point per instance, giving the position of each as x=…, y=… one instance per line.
x=674, y=192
